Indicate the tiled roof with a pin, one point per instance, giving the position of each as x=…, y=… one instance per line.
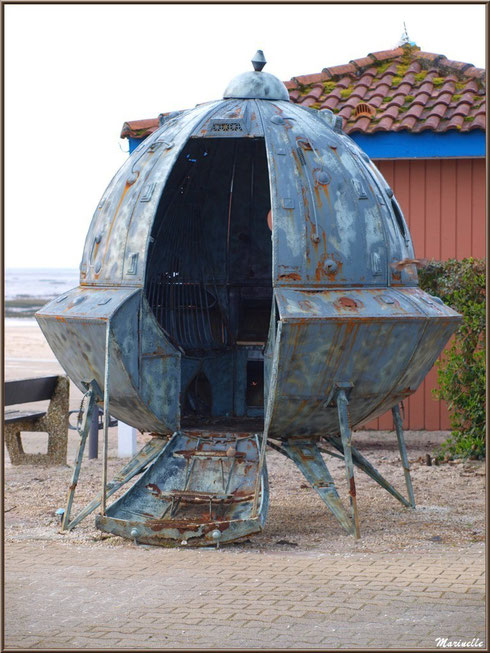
x=392, y=90
x=139, y=128
x=395, y=90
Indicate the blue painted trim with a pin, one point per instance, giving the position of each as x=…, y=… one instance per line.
x=405, y=145
x=427, y=145
x=133, y=143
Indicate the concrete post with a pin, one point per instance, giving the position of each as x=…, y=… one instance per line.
x=126, y=440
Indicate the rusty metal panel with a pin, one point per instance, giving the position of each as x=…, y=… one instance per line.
x=118, y=236
x=177, y=282
x=365, y=337
x=334, y=219
x=198, y=491
x=139, y=396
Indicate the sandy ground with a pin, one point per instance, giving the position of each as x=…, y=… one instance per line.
x=449, y=497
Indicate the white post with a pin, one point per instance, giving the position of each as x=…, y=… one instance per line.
x=126, y=440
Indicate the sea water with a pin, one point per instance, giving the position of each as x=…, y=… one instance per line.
x=28, y=289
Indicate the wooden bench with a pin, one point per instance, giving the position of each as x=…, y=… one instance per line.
x=54, y=421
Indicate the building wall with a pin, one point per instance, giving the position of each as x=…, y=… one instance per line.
x=443, y=201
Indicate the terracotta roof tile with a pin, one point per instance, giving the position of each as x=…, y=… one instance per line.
x=408, y=89
x=438, y=110
x=383, y=125
x=361, y=124
x=345, y=69
x=381, y=90
x=478, y=122
x=414, y=67
x=392, y=111
x=432, y=122
x=447, y=87
x=376, y=101
x=421, y=98
x=480, y=111
x=415, y=111
x=404, y=88
x=305, y=80
x=367, y=78
x=445, y=98
x=455, y=122
x=386, y=54
x=330, y=103
x=317, y=91
x=474, y=72
x=345, y=112
x=424, y=90
x=407, y=123
x=139, y=128
x=397, y=100
x=362, y=63
x=359, y=92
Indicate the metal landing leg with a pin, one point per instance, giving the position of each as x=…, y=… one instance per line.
x=403, y=452
x=83, y=427
x=346, y=435
x=136, y=465
x=307, y=456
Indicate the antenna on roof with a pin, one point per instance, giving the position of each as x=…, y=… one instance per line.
x=405, y=39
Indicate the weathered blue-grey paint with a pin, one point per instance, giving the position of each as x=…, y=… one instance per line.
x=199, y=491
x=346, y=308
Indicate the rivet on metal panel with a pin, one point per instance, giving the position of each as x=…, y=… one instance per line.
x=104, y=301
x=98, y=238
x=147, y=192
x=167, y=144
x=330, y=266
x=278, y=120
x=101, y=203
x=133, y=263
x=281, y=152
x=386, y=299
x=61, y=299
x=132, y=178
x=322, y=177
x=98, y=267
x=347, y=302
x=359, y=188
x=437, y=299
x=301, y=156
x=389, y=192
x=376, y=264
x=79, y=300
x=154, y=146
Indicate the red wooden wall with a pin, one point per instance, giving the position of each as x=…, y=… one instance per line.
x=443, y=202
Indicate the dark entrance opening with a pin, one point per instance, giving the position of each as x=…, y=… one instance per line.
x=209, y=275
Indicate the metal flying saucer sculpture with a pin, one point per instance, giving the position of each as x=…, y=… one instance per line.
x=248, y=279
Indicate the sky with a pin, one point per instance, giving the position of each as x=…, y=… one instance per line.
x=75, y=73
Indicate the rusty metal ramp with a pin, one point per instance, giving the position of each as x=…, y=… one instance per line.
x=204, y=488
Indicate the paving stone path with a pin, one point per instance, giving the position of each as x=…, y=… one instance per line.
x=65, y=596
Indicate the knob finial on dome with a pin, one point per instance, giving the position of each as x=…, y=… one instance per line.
x=259, y=60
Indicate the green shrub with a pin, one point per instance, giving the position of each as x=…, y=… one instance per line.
x=461, y=371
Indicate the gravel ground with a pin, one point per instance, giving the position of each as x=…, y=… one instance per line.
x=449, y=497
